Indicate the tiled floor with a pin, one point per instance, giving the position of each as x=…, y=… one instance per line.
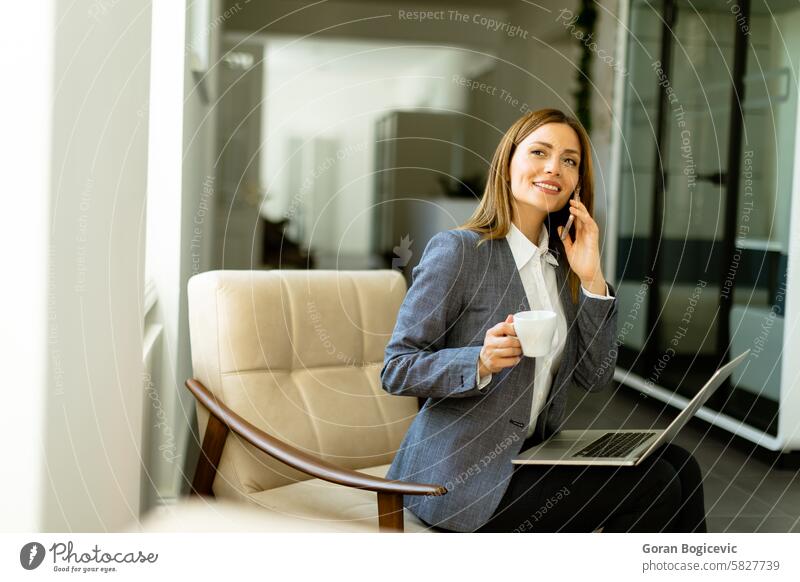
x=743, y=492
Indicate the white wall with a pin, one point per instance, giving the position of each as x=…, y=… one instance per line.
x=77, y=141
x=785, y=55
x=163, y=247
x=789, y=420
x=200, y=187
x=181, y=191
x=98, y=172
x=26, y=55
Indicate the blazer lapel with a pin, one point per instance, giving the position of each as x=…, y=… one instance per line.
x=516, y=291
x=557, y=249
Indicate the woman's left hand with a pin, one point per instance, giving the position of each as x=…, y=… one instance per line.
x=583, y=253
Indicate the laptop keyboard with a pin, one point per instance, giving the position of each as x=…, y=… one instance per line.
x=614, y=444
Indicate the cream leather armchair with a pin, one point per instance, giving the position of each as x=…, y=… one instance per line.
x=290, y=408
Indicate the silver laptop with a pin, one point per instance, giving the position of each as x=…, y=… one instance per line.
x=619, y=447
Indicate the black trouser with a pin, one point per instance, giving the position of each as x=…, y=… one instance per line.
x=665, y=493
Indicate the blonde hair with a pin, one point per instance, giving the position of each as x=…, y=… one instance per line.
x=492, y=218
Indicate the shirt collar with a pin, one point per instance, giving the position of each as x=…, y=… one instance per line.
x=524, y=250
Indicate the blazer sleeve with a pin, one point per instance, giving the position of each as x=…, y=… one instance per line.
x=596, y=323
x=418, y=361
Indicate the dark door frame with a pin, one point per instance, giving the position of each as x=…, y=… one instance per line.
x=729, y=177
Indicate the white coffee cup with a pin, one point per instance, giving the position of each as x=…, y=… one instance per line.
x=536, y=331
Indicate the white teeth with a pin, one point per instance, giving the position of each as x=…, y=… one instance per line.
x=547, y=187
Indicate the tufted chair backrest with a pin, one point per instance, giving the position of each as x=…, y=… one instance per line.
x=298, y=354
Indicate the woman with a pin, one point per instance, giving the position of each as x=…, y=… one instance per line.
x=454, y=344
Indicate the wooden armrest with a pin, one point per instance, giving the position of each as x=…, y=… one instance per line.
x=300, y=460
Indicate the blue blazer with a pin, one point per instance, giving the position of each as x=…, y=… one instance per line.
x=464, y=438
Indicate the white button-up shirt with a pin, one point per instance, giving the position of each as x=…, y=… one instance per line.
x=537, y=269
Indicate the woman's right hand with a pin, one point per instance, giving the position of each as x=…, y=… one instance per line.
x=501, y=348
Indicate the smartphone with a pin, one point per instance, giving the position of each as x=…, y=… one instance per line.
x=575, y=196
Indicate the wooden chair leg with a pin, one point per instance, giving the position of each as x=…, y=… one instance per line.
x=390, y=513
x=210, y=454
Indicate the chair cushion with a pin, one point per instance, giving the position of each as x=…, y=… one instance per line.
x=325, y=506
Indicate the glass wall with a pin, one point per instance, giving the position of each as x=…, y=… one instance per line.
x=705, y=194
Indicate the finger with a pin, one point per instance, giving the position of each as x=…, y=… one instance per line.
x=508, y=352
x=582, y=215
x=506, y=362
x=495, y=354
x=507, y=341
x=583, y=222
x=497, y=330
x=574, y=213
x=567, y=242
x=579, y=204
x=504, y=329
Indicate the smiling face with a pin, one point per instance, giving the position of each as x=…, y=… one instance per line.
x=545, y=169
